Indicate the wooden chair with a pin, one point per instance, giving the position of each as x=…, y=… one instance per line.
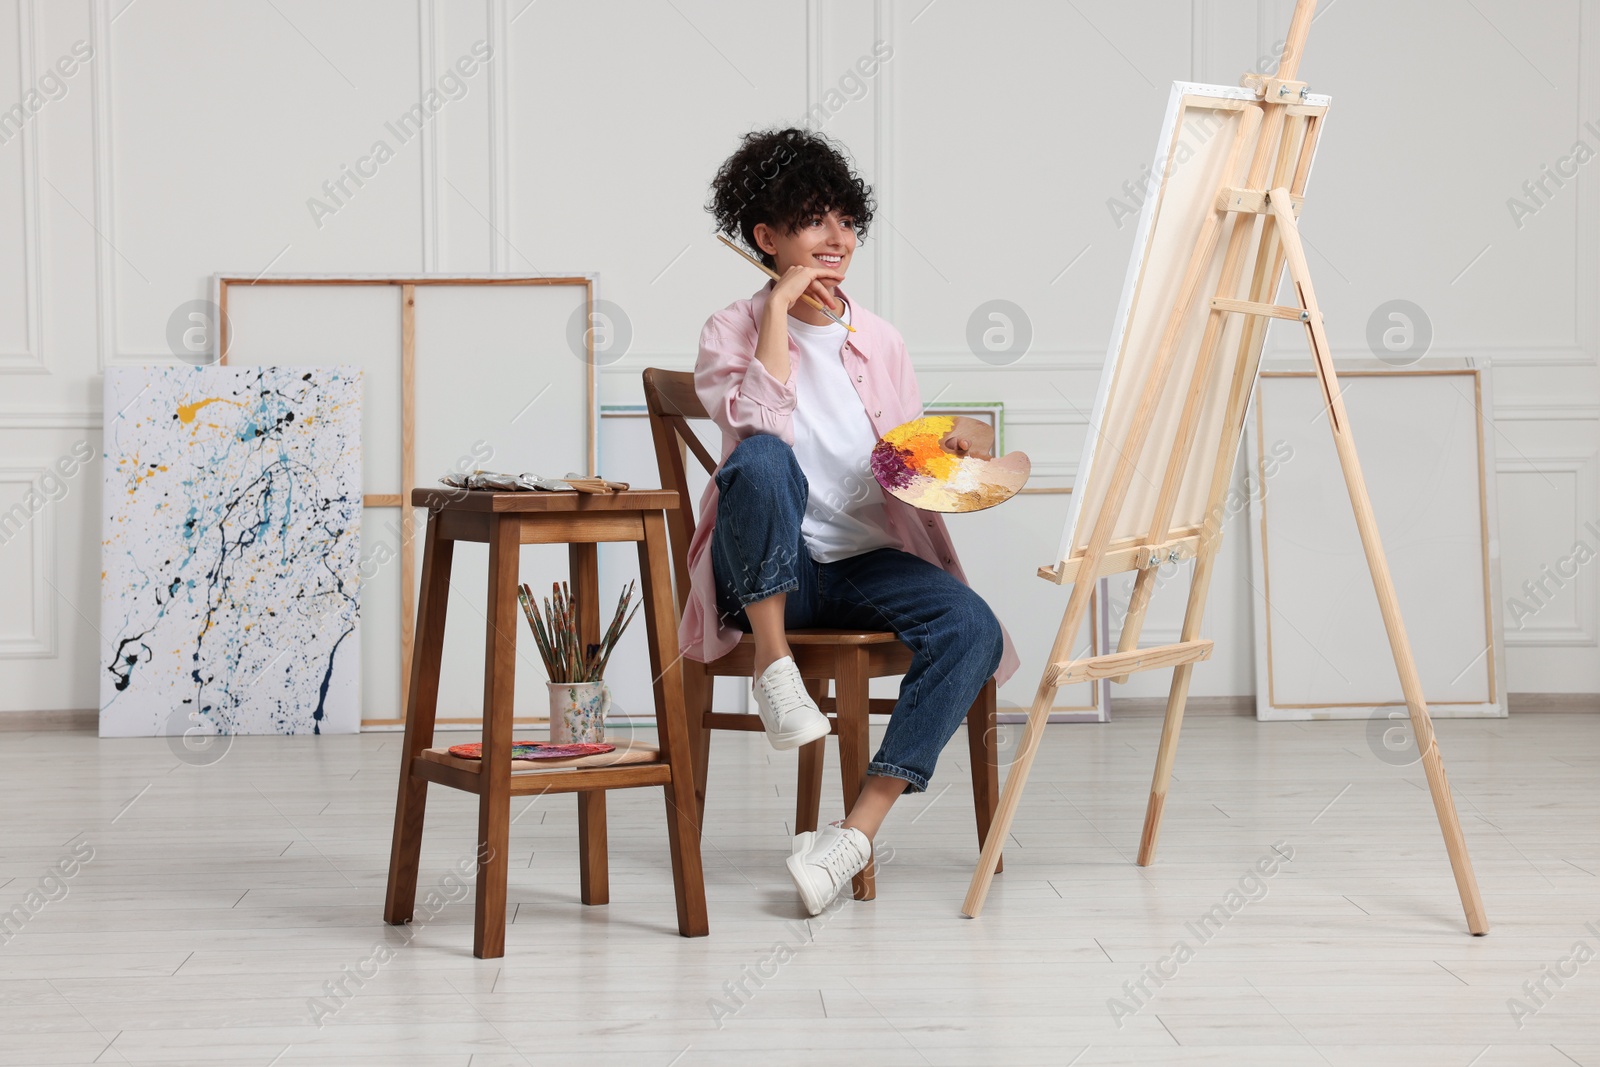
x=505, y=522
x=849, y=658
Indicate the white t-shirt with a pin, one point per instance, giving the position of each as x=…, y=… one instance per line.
x=833, y=441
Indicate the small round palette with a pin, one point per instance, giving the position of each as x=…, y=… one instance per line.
x=910, y=463
x=531, y=750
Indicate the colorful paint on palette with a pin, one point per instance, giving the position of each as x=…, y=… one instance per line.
x=910, y=462
x=534, y=750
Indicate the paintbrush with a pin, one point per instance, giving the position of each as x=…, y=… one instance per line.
x=813, y=301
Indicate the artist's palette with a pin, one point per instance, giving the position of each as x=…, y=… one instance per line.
x=912, y=464
x=531, y=750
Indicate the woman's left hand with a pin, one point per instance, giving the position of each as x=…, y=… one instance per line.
x=969, y=437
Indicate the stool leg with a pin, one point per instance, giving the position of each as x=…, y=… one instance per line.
x=683, y=824
x=593, y=866
x=851, y=705
x=405, y=850
x=808, y=790
x=583, y=567
x=983, y=745
x=494, y=774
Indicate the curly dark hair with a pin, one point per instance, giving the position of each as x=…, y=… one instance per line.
x=781, y=178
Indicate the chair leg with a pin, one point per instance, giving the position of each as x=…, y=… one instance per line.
x=808, y=787
x=405, y=851
x=983, y=750
x=851, y=706
x=698, y=687
x=593, y=865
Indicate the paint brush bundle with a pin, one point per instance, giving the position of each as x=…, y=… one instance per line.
x=556, y=633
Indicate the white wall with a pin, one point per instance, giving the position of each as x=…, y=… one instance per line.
x=995, y=136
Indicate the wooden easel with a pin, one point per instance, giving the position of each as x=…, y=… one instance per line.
x=1279, y=239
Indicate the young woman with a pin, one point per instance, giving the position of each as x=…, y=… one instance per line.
x=794, y=531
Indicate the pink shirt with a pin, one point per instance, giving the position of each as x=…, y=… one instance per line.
x=744, y=398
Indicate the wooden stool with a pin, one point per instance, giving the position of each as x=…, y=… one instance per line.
x=506, y=521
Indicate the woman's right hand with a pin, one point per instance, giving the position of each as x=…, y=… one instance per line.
x=772, y=344
x=799, y=280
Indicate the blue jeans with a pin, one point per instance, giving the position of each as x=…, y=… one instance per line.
x=757, y=550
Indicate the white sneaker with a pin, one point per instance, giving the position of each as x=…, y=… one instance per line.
x=787, y=711
x=824, y=861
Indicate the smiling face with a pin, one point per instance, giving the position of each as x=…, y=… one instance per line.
x=827, y=240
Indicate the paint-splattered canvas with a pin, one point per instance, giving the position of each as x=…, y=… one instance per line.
x=229, y=586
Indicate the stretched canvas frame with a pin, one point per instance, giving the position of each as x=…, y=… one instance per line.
x=407, y=284
x=1469, y=548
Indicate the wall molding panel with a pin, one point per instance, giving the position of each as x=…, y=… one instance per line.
x=51, y=419
x=29, y=360
x=42, y=640
x=883, y=163
x=499, y=136
x=105, y=258
x=1552, y=409
x=427, y=72
x=1584, y=631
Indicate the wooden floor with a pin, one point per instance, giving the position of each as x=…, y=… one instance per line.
x=225, y=902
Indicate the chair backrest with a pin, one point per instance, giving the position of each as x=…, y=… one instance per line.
x=670, y=398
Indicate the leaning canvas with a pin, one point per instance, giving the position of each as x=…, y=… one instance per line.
x=230, y=599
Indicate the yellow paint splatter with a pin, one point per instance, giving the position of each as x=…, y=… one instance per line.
x=149, y=473
x=187, y=412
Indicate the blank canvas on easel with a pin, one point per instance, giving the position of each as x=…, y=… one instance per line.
x=1199, y=128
